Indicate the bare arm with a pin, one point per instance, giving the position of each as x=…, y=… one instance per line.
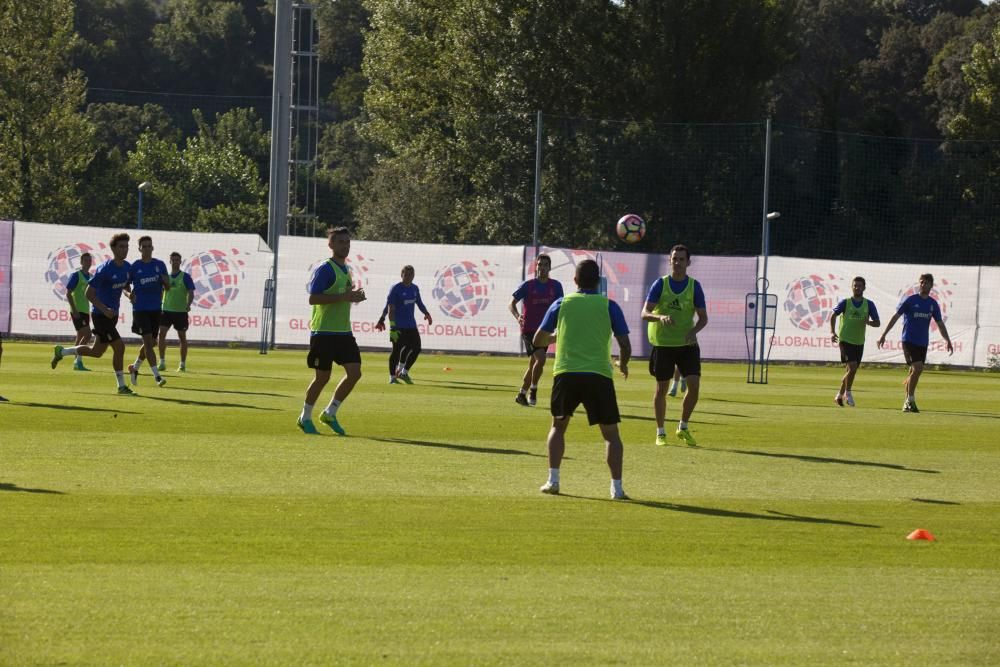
x=512, y=307
x=701, y=323
x=888, y=328
x=92, y=297
x=947, y=338
x=624, y=354
x=833, y=327
x=542, y=339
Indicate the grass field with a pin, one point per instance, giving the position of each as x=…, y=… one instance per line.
x=194, y=524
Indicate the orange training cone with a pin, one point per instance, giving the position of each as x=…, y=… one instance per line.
x=920, y=534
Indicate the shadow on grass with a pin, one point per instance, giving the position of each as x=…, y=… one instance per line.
x=824, y=459
x=232, y=391
x=233, y=375
x=207, y=404
x=932, y=501
x=771, y=515
x=7, y=486
x=79, y=408
x=482, y=386
x=459, y=448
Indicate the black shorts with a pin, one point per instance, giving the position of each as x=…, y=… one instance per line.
x=146, y=323
x=179, y=321
x=326, y=350
x=596, y=392
x=105, y=328
x=80, y=320
x=914, y=353
x=850, y=352
x=528, y=338
x=663, y=359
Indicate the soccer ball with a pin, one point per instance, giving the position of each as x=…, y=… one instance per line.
x=631, y=228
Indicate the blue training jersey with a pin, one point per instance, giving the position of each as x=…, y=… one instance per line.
x=108, y=282
x=656, y=290
x=917, y=314
x=147, y=285
x=404, y=298
x=74, y=280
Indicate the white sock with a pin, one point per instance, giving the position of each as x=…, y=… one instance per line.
x=534, y=387
x=682, y=424
x=138, y=363
x=661, y=431
x=69, y=351
x=553, y=475
x=156, y=371
x=307, y=412
x=120, y=376
x=331, y=410
x=616, y=485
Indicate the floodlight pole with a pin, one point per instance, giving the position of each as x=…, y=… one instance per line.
x=538, y=179
x=145, y=185
x=765, y=240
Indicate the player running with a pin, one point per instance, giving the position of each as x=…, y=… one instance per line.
x=403, y=332
x=917, y=311
x=104, y=293
x=859, y=313
x=177, y=299
x=79, y=307
x=331, y=293
x=148, y=277
x=537, y=294
x=675, y=312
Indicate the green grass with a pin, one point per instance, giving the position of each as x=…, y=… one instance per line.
x=195, y=524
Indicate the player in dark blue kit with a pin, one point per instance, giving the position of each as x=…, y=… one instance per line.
x=403, y=332
x=149, y=277
x=104, y=294
x=917, y=311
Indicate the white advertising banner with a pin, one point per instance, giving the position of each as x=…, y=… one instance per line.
x=228, y=270
x=988, y=339
x=466, y=290
x=809, y=289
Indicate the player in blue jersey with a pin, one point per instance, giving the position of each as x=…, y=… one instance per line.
x=535, y=295
x=177, y=301
x=675, y=312
x=917, y=311
x=148, y=277
x=858, y=314
x=584, y=323
x=331, y=294
x=104, y=294
x=79, y=307
x=403, y=332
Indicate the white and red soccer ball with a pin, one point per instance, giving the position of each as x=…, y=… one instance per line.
x=631, y=228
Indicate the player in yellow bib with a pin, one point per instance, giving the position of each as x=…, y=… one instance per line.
x=79, y=306
x=175, y=309
x=331, y=294
x=675, y=312
x=858, y=313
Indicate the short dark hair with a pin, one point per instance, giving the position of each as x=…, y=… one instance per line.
x=86, y=254
x=542, y=256
x=408, y=266
x=927, y=276
x=144, y=238
x=681, y=247
x=862, y=280
x=175, y=254
x=588, y=274
x=334, y=231
x=117, y=238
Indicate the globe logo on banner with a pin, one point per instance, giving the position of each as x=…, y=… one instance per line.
x=462, y=289
x=811, y=299
x=64, y=261
x=940, y=293
x=217, y=275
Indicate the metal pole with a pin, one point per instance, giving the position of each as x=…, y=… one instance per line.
x=139, y=222
x=765, y=241
x=538, y=178
x=277, y=204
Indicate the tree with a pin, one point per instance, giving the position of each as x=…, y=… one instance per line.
x=45, y=142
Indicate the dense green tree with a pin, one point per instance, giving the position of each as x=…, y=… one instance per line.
x=114, y=45
x=980, y=116
x=46, y=142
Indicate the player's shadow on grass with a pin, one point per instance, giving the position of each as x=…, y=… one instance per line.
x=208, y=404
x=459, y=448
x=647, y=418
x=7, y=486
x=771, y=515
x=824, y=459
x=233, y=391
x=237, y=375
x=80, y=408
x=932, y=501
x=984, y=415
x=477, y=386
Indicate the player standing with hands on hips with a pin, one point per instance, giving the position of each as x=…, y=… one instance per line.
x=858, y=313
x=331, y=294
x=917, y=311
x=177, y=299
x=675, y=312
